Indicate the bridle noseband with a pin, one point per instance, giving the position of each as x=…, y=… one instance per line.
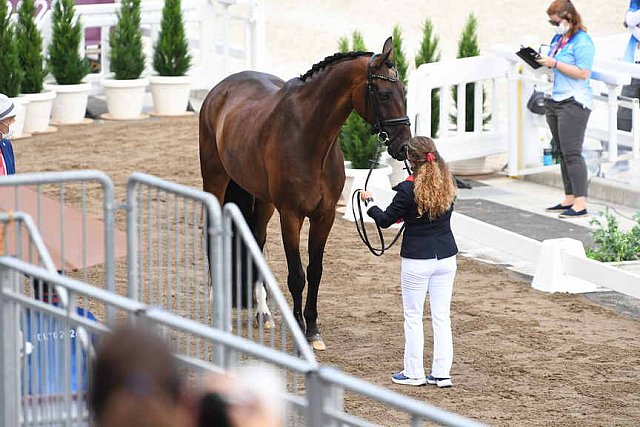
x=371, y=92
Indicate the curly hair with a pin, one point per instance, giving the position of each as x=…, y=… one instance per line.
x=434, y=187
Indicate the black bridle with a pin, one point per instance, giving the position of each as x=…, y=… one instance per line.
x=372, y=97
x=383, y=138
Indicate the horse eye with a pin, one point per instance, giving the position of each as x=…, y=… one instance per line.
x=385, y=96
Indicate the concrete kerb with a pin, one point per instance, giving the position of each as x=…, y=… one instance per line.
x=599, y=188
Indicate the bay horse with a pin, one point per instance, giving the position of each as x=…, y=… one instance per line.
x=268, y=144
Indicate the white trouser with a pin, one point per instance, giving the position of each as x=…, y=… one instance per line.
x=436, y=276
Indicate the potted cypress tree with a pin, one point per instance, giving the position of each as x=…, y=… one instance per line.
x=32, y=63
x=171, y=60
x=468, y=47
x=429, y=52
x=358, y=145
x=125, y=92
x=11, y=73
x=67, y=66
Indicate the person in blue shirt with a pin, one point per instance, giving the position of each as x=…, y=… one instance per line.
x=425, y=203
x=571, y=56
x=631, y=54
x=7, y=118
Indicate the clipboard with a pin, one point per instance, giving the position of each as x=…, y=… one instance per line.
x=529, y=55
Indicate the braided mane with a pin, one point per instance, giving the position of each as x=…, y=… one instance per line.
x=330, y=60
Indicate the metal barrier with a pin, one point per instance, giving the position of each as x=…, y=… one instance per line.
x=180, y=258
x=62, y=205
x=46, y=384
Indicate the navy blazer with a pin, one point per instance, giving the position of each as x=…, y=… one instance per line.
x=422, y=237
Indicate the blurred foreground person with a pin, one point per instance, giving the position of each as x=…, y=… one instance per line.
x=135, y=382
x=251, y=396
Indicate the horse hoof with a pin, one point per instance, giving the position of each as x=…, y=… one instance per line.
x=316, y=342
x=266, y=320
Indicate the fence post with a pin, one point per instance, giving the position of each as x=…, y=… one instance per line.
x=132, y=240
x=515, y=120
x=321, y=395
x=9, y=352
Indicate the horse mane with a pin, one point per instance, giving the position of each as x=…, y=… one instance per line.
x=336, y=57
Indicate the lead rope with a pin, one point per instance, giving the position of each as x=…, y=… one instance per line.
x=359, y=219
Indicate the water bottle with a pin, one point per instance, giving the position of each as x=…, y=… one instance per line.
x=547, y=157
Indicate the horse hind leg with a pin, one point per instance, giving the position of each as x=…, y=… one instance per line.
x=262, y=213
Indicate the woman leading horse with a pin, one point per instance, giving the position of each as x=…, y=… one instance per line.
x=275, y=145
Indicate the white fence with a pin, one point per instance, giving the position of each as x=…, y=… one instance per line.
x=562, y=265
x=224, y=35
x=512, y=129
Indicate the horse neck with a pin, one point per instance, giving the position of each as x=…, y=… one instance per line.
x=329, y=97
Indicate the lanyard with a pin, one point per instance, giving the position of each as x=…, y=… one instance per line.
x=560, y=45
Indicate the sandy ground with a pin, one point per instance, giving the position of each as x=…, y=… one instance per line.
x=521, y=357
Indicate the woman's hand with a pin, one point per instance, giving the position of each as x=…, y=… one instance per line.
x=366, y=196
x=547, y=61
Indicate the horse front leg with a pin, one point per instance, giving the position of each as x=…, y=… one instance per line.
x=291, y=223
x=319, y=230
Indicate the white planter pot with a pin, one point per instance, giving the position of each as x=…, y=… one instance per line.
x=124, y=98
x=477, y=166
x=379, y=185
x=20, y=103
x=170, y=94
x=70, y=105
x=38, y=111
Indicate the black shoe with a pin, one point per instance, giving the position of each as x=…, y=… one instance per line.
x=558, y=208
x=570, y=213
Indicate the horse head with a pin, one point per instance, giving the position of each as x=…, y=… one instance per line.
x=383, y=104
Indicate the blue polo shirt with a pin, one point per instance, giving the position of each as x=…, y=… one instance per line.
x=579, y=51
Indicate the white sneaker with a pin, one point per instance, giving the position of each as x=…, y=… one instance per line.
x=401, y=378
x=439, y=382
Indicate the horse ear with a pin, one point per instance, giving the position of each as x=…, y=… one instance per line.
x=387, y=56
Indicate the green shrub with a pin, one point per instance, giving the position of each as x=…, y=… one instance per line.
x=429, y=52
x=65, y=62
x=125, y=42
x=30, y=49
x=612, y=243
x=11, y=73
x=171, y=52
x=356, y=141
x=401, y=59
x=468, y=47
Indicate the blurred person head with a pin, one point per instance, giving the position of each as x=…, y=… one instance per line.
x=135, y=381
x=7, y=115
x=433, y=183
x=249, y=396
x=564, y=16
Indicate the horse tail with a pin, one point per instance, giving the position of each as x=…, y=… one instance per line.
x=245, y=202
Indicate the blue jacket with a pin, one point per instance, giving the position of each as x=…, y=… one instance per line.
x=422, y=238
x=7, y=153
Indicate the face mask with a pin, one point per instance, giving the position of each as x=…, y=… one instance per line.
x=562, y=28
x=6, y=130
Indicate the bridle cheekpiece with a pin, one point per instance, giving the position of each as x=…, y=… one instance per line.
x=371, y=92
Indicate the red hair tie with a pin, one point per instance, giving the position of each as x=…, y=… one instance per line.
x=430, y=157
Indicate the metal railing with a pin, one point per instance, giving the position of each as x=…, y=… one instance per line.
x=46, y=196
x=44, y=381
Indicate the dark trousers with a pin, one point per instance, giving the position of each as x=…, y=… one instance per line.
x=624, y=114
x=568, y=122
